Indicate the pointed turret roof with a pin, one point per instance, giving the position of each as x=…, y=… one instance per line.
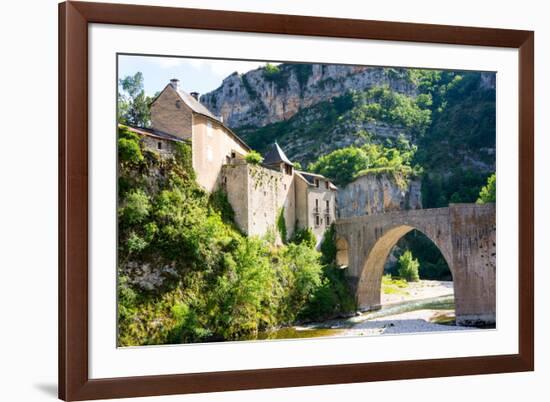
x=276, y=155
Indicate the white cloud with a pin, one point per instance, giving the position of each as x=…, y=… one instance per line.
x=169, y=62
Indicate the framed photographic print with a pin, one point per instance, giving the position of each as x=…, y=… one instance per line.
x=259, y=200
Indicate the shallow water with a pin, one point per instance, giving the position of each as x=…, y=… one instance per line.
x=338, y=326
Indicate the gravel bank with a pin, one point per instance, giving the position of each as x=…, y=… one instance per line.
x=405, y=323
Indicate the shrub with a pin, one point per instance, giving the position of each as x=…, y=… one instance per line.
x=281, y=225
x=488, y=192
x=129, y=151
x=136, y=207
x=408, y=267
x=220, y=203
x=254, y=158
x=304, y=236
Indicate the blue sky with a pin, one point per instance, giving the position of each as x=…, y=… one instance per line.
x=200, y=75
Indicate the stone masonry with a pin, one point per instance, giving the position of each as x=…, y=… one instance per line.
x=465, y=235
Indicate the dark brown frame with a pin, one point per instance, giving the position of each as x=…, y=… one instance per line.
x=74, y=17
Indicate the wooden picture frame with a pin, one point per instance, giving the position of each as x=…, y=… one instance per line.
x=74, y=381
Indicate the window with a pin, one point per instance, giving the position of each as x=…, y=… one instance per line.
x=178, y=104
x=159, y=145
x=317, y=220
x=233, y=155
x=317, y=183
x=326, y=185
x=328, y=220
x=288, y=169
x=209, y=128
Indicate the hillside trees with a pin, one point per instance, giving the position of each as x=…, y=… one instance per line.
x=488, y=192
x=133, y=104
x=344, y=165
x=185, y=272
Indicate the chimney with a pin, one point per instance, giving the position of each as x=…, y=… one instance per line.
x=195, y=95
x=175, y=83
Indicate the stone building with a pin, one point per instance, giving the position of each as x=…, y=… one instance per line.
x=264, y=195
x=180, y=114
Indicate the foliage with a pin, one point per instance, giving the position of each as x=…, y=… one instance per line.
x=304, y=236
x=432, y=263
x=281, y=225
x=383, y=104
x=254, y=158
x=271, y=70
x=408, y=267
x=394, y=285
x=185, y=274
x=333, y=298
x=129, y=150
x=488, y=192
x=133, y=104
x=456, y=186
x=345, y=165
x=220, y=203
x=328, y=246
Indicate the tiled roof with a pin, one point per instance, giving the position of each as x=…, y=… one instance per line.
x=195, y=105
x=275, y=155
x=153, y=133
x=199, y=108
x=310, y=178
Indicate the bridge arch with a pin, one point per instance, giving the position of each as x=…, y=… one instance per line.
x=465, y=234
x=370, y=281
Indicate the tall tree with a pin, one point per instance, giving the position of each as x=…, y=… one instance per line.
x=133, y=104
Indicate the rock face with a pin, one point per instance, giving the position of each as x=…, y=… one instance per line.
x=260, y=97
x=377, y=193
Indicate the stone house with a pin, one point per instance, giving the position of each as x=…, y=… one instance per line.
x=262, y=195
x=180, y=114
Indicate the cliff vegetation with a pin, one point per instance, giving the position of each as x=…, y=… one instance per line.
x=186, y=274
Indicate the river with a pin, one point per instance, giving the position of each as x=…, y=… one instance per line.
x=412, y=316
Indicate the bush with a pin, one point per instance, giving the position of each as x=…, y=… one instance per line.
x=136, y=207
x=281, y=225
x=254, y=158
x=408, y=267
x=488, y=192
x=304, y=236
x=129, y=151
x=220, y=203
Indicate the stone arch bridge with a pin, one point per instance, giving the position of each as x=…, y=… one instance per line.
x=464, y=233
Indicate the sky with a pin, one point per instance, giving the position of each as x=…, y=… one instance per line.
x=199, y=75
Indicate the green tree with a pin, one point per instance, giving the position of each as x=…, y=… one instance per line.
x=133, y=104
x=304, y=236
x=408, y=267
x=254, y=158
x=488, y=192
x=341, y=165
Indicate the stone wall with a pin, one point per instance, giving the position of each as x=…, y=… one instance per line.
x=165, y=148
x=212, y=147
x=171, y=115
x=376, y=193
x=257, y=195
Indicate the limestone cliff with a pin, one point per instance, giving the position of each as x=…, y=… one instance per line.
x=376, y=193
x=264, y=96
